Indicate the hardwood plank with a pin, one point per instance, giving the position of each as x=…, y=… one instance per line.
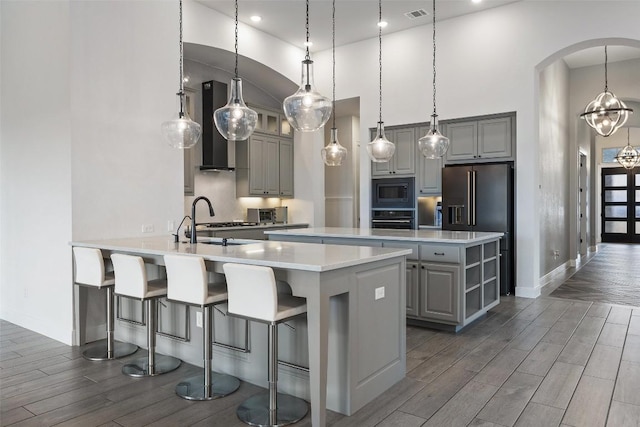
x=477, y=422
x=464, y=406
x=537, y=415
x=634, y=325
x=558, y=386
x=575, y=312
x=431, y=369
x=15, y=381
x=604, y=362
x=14, y=415
x=589, y=328
x=432, y=346
x=529, y=337
x=56, y=416
x=479, y=357
x=44, y=393
x=401, y=419
x=613, y=335
x=589, y=404
x=599, y=310
x=8, y=372
x=619, y=315
x=428, y=400
x=623, y=415
x=561, y=332
x=501, y=367
x=511, y=399
x=541, y=359
x=65, y=350
x=631, y=350
x=627, y=388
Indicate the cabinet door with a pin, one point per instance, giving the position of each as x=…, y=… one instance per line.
x=190, y=159
x=272, y=167
x=286, y=168
x=257, y=155
x=463, y=138
x=404, y=158
x=429, y=171
x=439, y=292
x=413, y=277
x=494, y=138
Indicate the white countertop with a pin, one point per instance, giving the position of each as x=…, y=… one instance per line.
x=252, y=227
x=294, y=256
x=419, y=236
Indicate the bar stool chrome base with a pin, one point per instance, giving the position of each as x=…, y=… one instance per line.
x=140, y=367
x=100, y=352
x=194, y=389
x=255, y=410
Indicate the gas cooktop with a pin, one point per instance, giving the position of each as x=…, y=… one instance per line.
x=227, y=224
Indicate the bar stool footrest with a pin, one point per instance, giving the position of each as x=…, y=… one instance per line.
x=98, y=351
x=193, y=388
x=140, y=367
x=255, y=410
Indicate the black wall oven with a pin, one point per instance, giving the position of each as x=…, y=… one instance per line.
x=393, y=193
x=403, y=219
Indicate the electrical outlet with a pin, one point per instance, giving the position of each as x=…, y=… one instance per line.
x=379, y=293
x=199, y=319
x=147, y=228
x=171, y=225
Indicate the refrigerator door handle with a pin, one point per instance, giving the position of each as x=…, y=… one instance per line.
x=473, y=212
x=468, y=198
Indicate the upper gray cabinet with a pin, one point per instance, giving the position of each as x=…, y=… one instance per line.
x=403, y=161
x=286, y=167
x=429, y=179
x=481, y=139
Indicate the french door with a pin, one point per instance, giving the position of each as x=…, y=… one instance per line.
x=621, y=205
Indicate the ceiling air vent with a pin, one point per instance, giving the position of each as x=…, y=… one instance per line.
x=416, y=14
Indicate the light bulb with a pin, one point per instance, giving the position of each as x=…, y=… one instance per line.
x=307, y=110
x=181, y=131
x=235, y=121
x=333, y=153
x=433, y=145
x=606, y=120
x=380, y=149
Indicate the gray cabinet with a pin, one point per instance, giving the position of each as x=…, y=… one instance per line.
x=264, y=166
x=413, y=280
x=429, y=180
x=403, y=161
x=439, y=284
x=483, y=139
x=191, y=155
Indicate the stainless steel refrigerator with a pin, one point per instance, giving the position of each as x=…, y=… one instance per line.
x=480, y=197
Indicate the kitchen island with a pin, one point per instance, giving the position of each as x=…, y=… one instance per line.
x=355, y=300
x=453, y=277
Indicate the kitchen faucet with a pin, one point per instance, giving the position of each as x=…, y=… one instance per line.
x=193, y=216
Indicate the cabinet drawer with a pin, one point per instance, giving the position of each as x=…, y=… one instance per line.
x=440, y=253
x=400, y=245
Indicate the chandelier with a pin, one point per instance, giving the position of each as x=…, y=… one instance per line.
x=606, y=114
x=628, y=157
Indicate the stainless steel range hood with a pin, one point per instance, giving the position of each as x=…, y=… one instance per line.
x=217, y=153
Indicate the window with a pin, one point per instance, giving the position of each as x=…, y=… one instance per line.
x=609, y=154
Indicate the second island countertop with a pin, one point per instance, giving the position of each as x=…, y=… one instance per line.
x=417, y=236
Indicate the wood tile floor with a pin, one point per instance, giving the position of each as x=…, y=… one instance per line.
x=544, y=362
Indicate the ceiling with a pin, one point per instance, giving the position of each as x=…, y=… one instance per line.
x=355, y=19
x=595, y=55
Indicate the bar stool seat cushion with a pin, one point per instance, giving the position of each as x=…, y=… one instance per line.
x=217, y=293
x=156, y=288
x=290, y=306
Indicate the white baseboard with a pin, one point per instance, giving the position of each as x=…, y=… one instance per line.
x=39, y=326
x=547, y=278
x=527, y=292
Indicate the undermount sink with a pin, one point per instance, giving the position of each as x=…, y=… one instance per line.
x=222, y=244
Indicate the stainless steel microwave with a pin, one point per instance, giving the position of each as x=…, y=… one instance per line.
x=393, y=193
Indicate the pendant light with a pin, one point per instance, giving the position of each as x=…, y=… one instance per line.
x=628, y=156
x=334, y=153
x=433, y=145
x=181, y=131
x=307, y=110
x=380, y=149
x=235, y=121
x=606, y=114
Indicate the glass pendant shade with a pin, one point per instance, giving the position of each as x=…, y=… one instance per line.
x=433, y=145
x=334, y=153
x=181, y=131
x=307, y=110
x=606, y=114
x=380, y=149
x=235, y=121
x=628, y=157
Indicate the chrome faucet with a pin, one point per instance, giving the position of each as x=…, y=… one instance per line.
x=193, y=216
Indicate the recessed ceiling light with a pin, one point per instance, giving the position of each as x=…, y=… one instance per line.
x=256, y=18
x=476, y=1
x=383, y=24
x=308, y=44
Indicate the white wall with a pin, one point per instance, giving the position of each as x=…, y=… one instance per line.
x=339, y=182
x=487, y=62
x=554, y=146
x=35, y=167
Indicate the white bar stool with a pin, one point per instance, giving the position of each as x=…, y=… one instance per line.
x=131, y=281
x=253, y=295
x=89, y=272
x=187, y=283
